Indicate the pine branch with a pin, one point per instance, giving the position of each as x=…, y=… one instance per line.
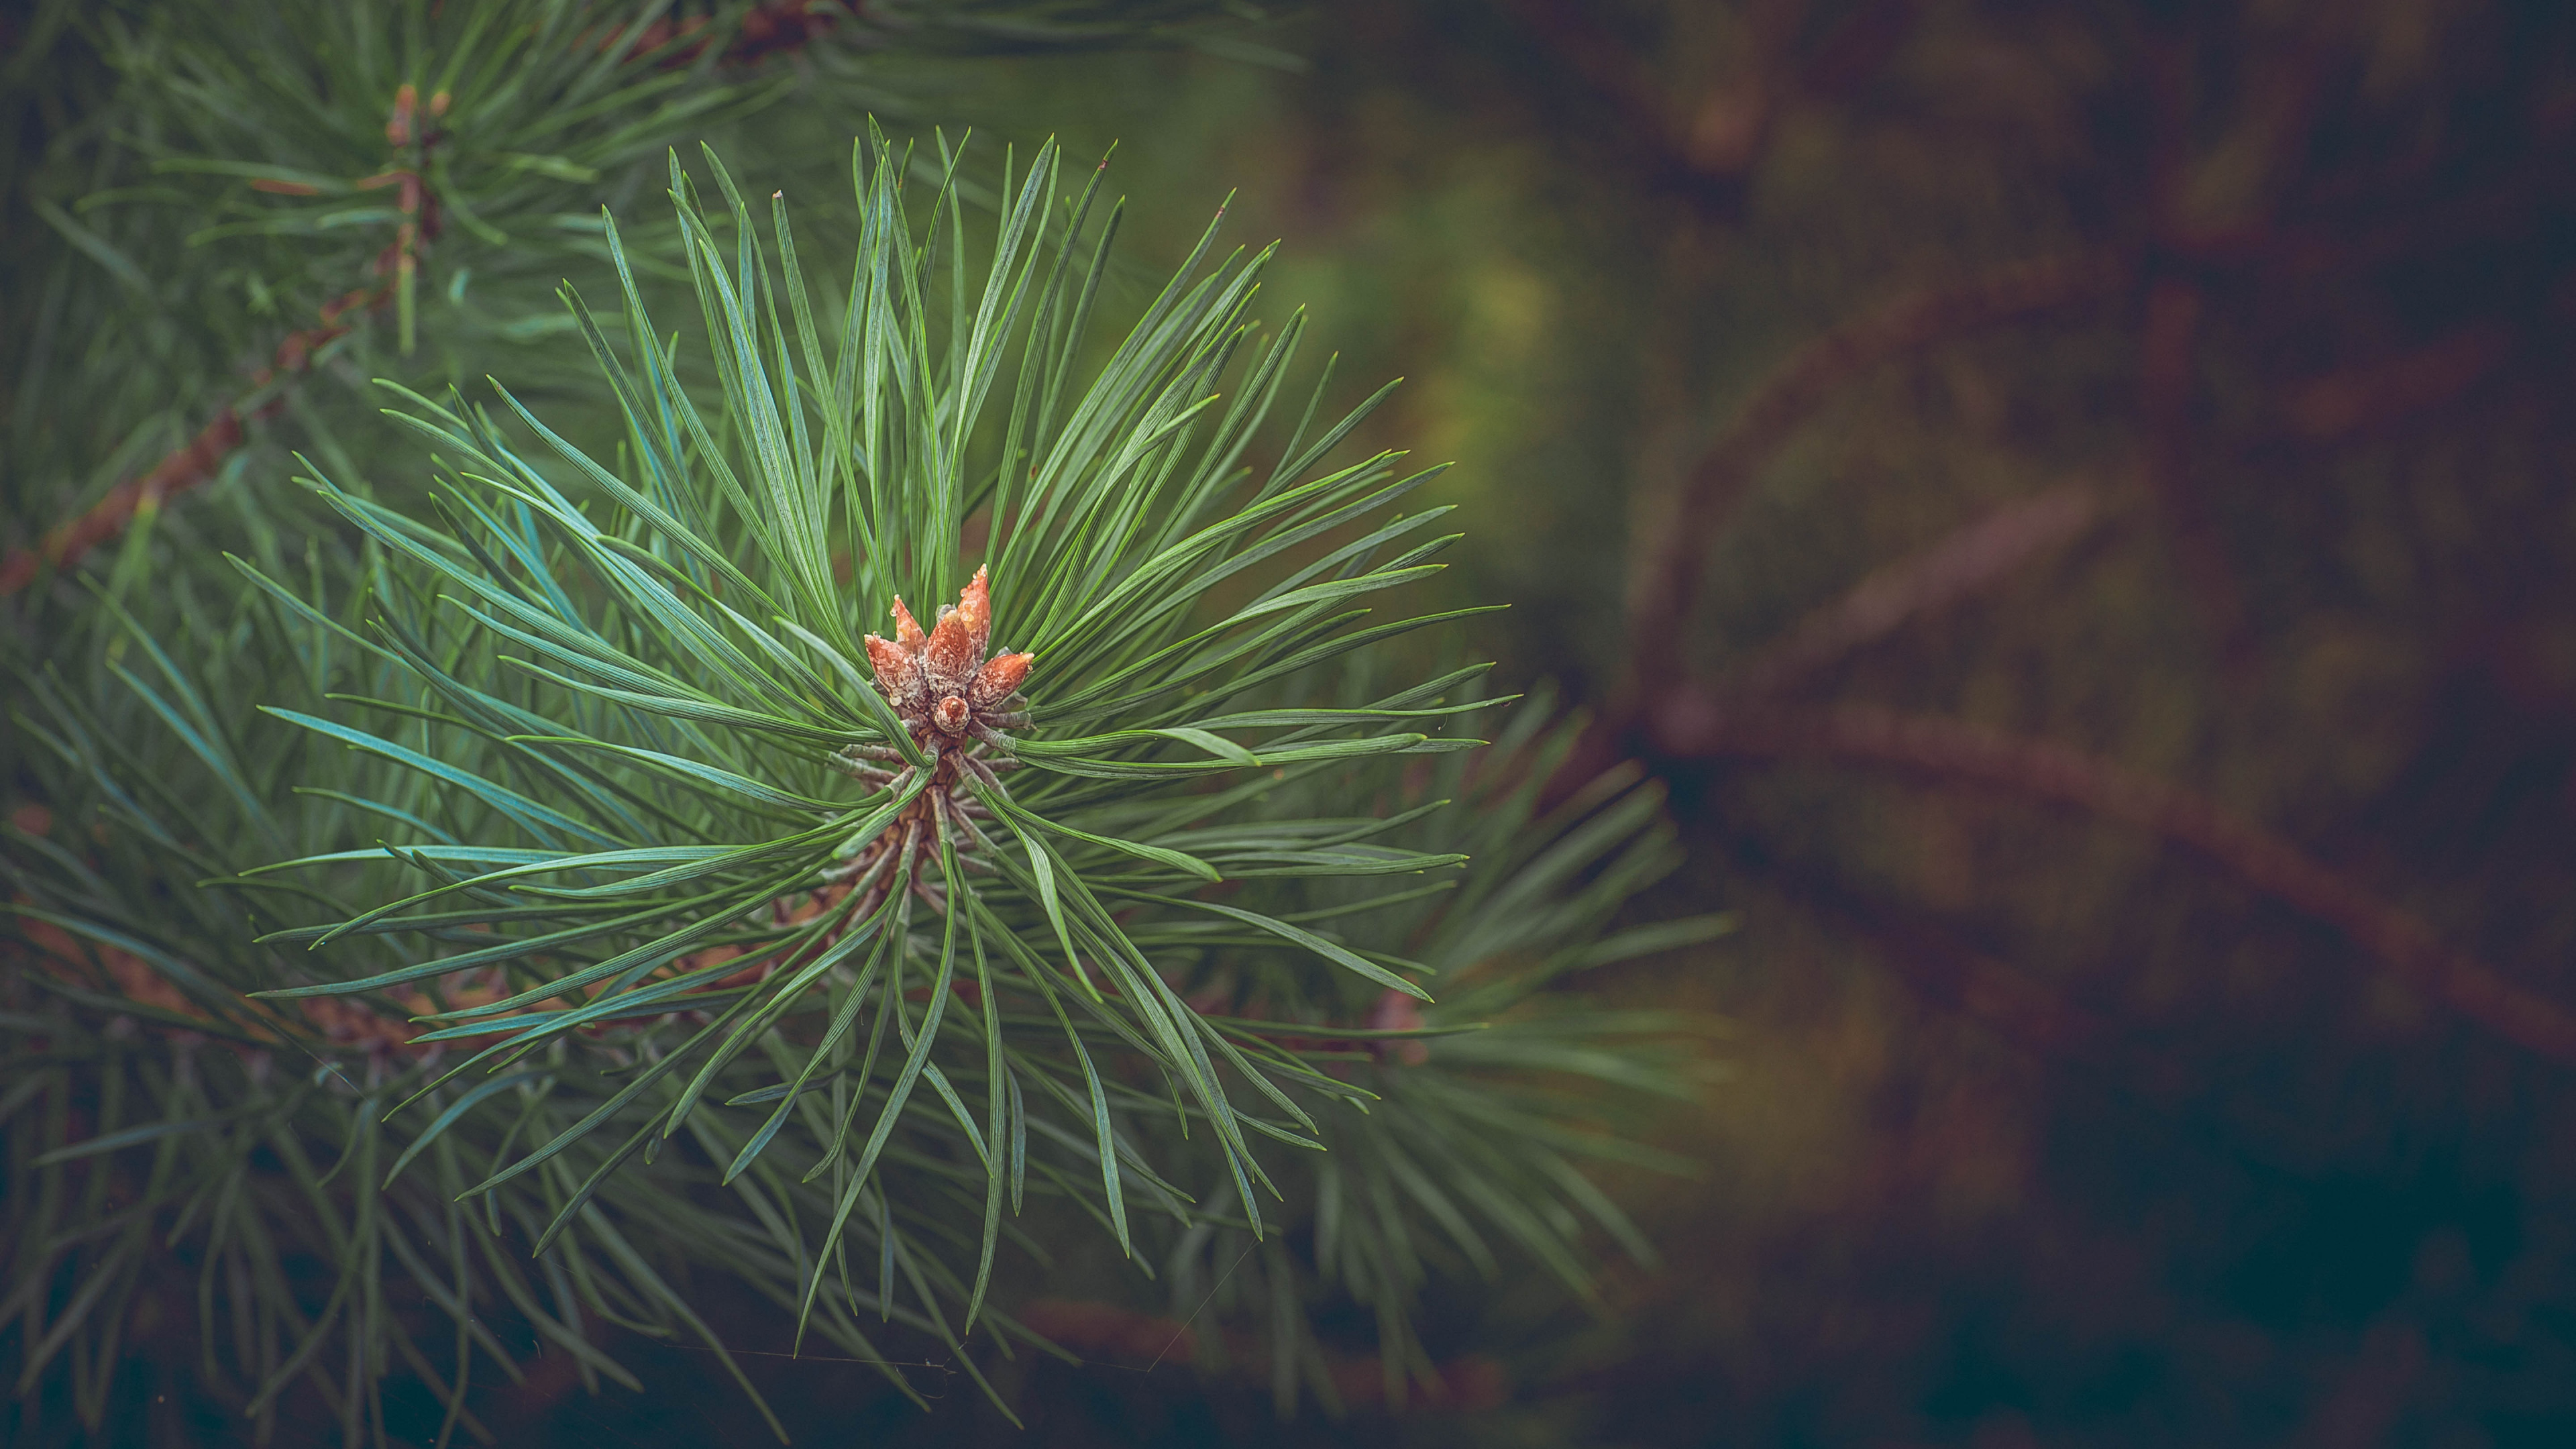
x=606, y=843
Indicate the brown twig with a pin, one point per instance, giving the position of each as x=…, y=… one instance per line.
x=187, y=466
x=353, y=1024
x=184, y=468
x=410, y=132
x=1699, y=725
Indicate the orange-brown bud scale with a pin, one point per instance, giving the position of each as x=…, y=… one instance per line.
x=998, y=680
x=907, y=632
x=894, y=669
x=975, y=613
x=951, y=657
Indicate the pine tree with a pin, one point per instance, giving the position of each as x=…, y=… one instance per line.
x=524, y=848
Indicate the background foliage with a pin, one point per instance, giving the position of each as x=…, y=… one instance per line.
x=2128, y=871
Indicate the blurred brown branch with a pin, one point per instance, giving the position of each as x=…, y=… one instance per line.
x=2355, y=400
x=1698, y=725
x=1666, y=583
x=1667, y=587
x=1966, y=562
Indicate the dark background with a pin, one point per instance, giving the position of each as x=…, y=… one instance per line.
x=2074, y=499
x=2158, y=876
